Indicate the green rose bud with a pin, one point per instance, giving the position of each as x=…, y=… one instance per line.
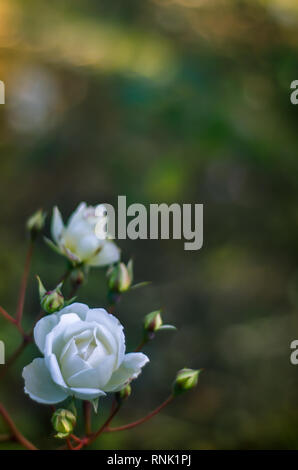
x=185, y=380
x=35, y=223
x=50, y=301
x=124, y=393
x=120, y=277
x=153, y=322
x=63, y=422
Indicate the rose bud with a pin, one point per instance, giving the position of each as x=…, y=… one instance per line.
x=185, y=380
x=35, y=223
x=153, y=322
x=51, y=301
x=120, y=277
x=124, y=393
x=63, y=422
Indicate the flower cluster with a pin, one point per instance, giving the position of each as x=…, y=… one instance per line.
x=83, y=349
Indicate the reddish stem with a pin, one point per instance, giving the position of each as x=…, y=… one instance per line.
x=87, y=416
x=75, y=438
x=21, y=301
x=142, y=420
x=141, y=345
x=105, y=424
x=79, y=446
x=69, y=444
x=17, y=434
x=7, y=316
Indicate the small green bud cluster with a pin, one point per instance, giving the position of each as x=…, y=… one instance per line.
x=63, y=422
x=186, y=379
x=50, y=301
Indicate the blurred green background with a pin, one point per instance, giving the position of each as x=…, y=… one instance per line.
x=182, y=101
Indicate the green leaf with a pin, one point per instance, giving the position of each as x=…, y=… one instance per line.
x=70, y=301
x=141, y=284
x=130, y=269
x=95, y=404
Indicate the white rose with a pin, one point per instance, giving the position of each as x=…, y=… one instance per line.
x=84, y=356
x=78, y=240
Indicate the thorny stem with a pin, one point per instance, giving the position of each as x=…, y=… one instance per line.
x=142, y=420
x=16, y=433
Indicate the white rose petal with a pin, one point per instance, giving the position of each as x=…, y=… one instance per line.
x=84, y=353
x=39, y=384
x=42, y=328
x=108, y=254
x=57, y=225
x=87, y=393
x=129, y=369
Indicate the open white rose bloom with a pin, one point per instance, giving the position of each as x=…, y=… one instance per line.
x=84, y=356
x=78, y=240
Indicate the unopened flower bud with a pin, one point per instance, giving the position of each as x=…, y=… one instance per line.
x=35, y=223
x=63, y=422
x=153, y=322
x=124, y=393
x=185, y=380
x=51, y=301
x=120, y=277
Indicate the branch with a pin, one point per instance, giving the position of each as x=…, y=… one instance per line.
x=7, y=316
x=142, y=420
x=141, y=345
x=17, y=434
x=87, y=416
x=113, y=412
